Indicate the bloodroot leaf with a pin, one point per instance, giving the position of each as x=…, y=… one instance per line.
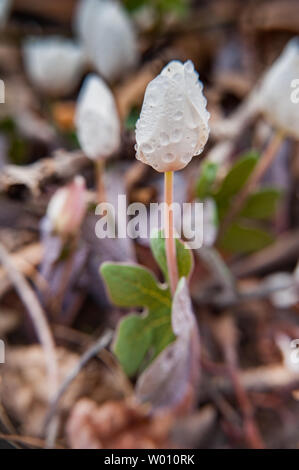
x=184, y=255
x=171, y=380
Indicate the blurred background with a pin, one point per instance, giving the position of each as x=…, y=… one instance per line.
x=245, y=284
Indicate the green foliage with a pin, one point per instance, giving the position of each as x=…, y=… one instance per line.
x=18, y=147
x=184, y=255
x=262, y=204
x=242, y=236
x=236, y=177
x=141, y=337
x=179, y=7
x=206, y=180
x=130, y=122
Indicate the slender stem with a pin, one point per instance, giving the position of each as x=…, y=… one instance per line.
x=169, y=232
x=263, y=164
x=100, y=169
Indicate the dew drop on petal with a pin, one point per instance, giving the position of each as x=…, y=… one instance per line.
x=168, y=157
x=178, y=115
x=176, y=135
x=147, y=148
x=164, y=139
x=189, y=67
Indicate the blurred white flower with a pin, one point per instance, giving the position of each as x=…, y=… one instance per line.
x=173, y=124
x=276, y=89
x=97, y=120
x=54, y=64
x=67, y=208
x=5, y=6
x=285, y=293
x=108, y=36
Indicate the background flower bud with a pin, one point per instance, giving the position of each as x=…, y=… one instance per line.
x=275, y=90
x=108, y=37
x=67, y=208
x=97, y=120
x=55, y=64
x=173, y=125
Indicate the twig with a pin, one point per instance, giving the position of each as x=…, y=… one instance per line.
x=27, y=440
x=263, y=164
x=101, y=343
x=37, y=315
x=63, y=165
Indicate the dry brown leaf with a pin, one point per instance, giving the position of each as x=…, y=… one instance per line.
x=116, y=425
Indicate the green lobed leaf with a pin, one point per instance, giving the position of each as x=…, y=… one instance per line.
x=262, y=204
x=184, y=254
x=139, y=338
x=134, y=286
x=243, y=239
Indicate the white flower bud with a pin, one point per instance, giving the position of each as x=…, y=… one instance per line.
x=97, y=120
x=54, y=65
x=108, y=37
x=275, y=92
x=67, y=208
x=173, y=125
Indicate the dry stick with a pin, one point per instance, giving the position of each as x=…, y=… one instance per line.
x=27, y=440
x=251, y=430
x=94, y=349
x=263, y=164
x=37, y=315
x=169, y=231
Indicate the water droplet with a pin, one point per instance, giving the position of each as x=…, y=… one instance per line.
x=147, y=148
x=178, y=115
x=189, y=67
x=151, y=99
x=164, y=139
x=178, y=77
x=186, y=158
x=176, y=135
x=168, y=157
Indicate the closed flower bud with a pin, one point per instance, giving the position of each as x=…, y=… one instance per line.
x=173, y=125
x=97, y=120
x=67, y=208
x=54, y=65
x=108, y=36
x=275, y=92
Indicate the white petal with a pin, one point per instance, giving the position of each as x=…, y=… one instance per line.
x=275, y=91
x=55, y=64
x=97, y=119
x=108, y=37
x=173, y=124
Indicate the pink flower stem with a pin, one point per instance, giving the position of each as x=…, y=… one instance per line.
x=169, y=232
